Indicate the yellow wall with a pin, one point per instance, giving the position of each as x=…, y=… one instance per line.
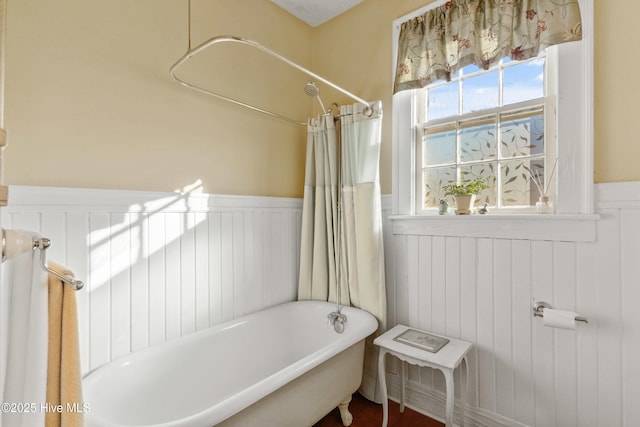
x=355, y=50
x=617, y=97
x=89, y=102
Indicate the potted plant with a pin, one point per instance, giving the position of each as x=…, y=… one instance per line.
x=465, y=194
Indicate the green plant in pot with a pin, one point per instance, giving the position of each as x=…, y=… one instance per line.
x=465, y=194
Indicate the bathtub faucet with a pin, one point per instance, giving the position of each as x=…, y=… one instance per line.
x=338, y=320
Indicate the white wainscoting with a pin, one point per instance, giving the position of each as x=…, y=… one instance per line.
x=160, y=265
x=521, y=372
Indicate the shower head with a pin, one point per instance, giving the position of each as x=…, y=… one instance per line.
x=311, y=89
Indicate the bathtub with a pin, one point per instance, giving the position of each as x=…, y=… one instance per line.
x=284, y=366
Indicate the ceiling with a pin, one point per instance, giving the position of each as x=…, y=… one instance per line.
x=316, y=12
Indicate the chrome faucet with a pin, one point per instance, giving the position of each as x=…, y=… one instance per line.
x=338, y=320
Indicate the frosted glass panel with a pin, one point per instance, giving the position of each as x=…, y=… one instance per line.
x=522, y=133
x=518, y=186
x=434, y=179
x=478, y=140
x=439, y=145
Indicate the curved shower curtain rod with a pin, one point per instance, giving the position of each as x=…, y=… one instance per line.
x=233, y=39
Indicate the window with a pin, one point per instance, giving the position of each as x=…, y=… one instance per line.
x=497, y=125
x=565, y=110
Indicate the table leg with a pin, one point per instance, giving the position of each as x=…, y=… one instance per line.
x=463, y=393
x=403, y=375
x=448, y=378
x=383, y=387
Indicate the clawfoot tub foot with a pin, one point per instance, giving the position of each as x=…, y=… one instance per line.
x=346, y=416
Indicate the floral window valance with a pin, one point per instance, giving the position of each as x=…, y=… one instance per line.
x=435, y=45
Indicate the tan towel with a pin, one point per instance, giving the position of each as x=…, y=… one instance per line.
x=64, y=382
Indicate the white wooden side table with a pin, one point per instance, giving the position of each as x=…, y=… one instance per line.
x=447, y=359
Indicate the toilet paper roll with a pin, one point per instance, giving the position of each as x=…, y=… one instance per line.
x=560, y=318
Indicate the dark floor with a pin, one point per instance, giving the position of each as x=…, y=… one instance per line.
x=369, y=414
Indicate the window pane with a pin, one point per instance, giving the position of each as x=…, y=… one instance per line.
x=522, y=133
x=486, y=170
x=478, y=140
x=480, y=133
x=523, y=82
x=442, y=101
x=480, y=92
x=434, y=179
x=439, y=145
x=519, y=188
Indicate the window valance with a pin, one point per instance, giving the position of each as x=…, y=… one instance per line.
x=445, y=39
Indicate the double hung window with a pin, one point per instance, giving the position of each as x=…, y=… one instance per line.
x=498, y=125
x=524, y=126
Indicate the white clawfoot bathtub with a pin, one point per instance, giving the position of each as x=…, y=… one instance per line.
x=284, y=366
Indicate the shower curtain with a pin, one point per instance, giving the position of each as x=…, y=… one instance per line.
x=359, y=220
x=317, y=279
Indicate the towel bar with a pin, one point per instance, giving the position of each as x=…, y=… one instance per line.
x=42, y=244
x=19, y=243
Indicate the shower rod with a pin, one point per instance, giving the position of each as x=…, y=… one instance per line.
x=234, y=39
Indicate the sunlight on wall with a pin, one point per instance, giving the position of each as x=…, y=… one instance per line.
x=143, y=231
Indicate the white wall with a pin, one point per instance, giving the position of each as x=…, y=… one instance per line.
x=158, y=265
x=522, y=373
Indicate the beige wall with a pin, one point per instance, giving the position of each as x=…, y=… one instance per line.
x=89, y=102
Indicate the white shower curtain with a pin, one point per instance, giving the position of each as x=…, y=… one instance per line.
x=361, y=220
x=361, y=252
x=317, y=279
x=27, y=339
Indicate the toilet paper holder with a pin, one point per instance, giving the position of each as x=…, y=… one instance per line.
x=539, y=306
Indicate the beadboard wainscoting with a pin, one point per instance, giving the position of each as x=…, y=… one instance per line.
x=522, y=373
x=161, y=265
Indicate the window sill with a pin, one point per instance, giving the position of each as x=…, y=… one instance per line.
x=557, y=227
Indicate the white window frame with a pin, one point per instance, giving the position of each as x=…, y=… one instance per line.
x=574, y=219
x=547, y=104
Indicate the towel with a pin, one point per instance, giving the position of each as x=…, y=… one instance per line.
x=64, y=381
x=25, y=343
